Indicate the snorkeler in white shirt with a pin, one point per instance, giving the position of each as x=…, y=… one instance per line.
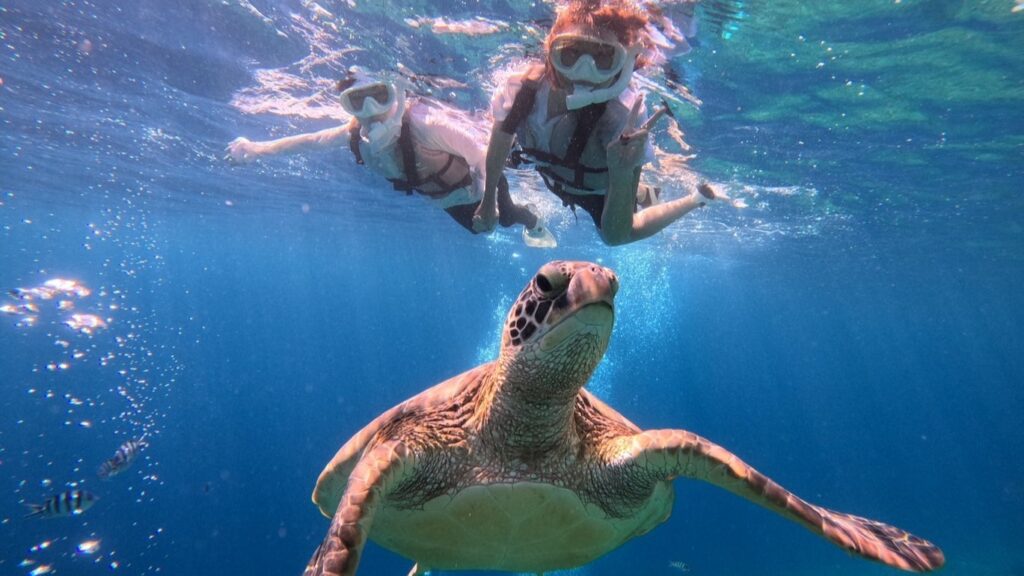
x=577, y=119
x=420, y=145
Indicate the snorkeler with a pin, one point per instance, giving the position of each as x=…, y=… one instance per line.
x=420, y=145
x=577, y=119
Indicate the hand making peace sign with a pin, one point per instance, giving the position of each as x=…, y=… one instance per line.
x=627, y=151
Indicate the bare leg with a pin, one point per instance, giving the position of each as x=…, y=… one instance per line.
x=510, y=213
x=621, y=225
x=654, y=219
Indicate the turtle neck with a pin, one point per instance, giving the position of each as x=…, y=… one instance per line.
x=528, y=401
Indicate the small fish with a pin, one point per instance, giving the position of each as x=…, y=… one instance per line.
x=63, y=286
x=85, y=323
x=23, y=293
x=680, y=566
x=41, y=569
x=19, y=309
x=122, y=459
x=68, y=503
x=89, y=547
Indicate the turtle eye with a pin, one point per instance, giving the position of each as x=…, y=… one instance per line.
x=551, y=280
x=543, y=283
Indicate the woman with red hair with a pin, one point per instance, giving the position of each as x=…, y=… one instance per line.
x=576, y=117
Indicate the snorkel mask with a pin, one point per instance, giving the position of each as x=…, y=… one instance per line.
x=369, y=98
x=589, y=63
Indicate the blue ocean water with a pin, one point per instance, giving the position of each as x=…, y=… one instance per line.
x=855, y=333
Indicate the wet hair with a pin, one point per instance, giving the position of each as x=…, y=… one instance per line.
x=345, y=83
x=625, y=18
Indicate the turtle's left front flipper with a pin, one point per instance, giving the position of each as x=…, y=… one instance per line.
x=379, y=469
x=673, y=453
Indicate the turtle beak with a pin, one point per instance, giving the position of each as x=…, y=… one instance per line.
x=589, y=298
x=589, y=308
x=593, y=284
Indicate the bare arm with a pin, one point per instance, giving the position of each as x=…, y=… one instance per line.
x=242, y=150
x=625, y=161
x=617, y=216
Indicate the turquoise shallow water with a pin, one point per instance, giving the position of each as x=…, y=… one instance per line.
x=854, y=333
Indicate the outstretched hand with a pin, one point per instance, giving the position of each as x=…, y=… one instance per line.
x=241, y=151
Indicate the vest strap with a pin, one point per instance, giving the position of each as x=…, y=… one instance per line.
x=353, y=143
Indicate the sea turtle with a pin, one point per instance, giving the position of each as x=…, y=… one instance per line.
x=514, y=466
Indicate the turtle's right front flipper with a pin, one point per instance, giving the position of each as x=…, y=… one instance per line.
x=377, y=471
x=672, y=453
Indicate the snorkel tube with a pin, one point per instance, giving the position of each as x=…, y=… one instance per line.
x=385, y=132
x=583, y=96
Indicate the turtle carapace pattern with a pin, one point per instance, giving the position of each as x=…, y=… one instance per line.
x=514, y=466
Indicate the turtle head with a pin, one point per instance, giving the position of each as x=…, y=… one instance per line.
x=559, y=327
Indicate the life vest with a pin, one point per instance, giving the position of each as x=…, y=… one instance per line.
x=412, y=182
x=586, y=121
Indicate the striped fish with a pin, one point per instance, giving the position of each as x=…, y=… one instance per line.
x=122, y=459
x=68, y=503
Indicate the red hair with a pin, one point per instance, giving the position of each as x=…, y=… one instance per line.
x=623, y=17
